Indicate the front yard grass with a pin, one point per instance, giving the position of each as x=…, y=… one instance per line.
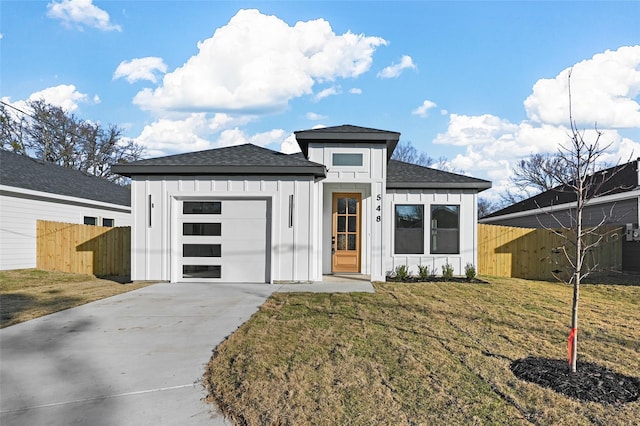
x=30, y=293
x=435, y=353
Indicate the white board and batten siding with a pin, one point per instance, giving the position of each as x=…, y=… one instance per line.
x=266, y=237
x=368, y=180
x=467, y=202
x=20, y=209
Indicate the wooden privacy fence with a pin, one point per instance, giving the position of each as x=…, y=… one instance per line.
x=83, y=249
x=532, y=253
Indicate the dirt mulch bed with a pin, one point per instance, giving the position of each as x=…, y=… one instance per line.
x=434, y=279
x=591, y=382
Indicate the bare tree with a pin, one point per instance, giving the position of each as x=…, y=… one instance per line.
x=12, y=131
x=540, y=172
x=407, y=153
x=50, y=133
x=486, y=207
x=580, y=159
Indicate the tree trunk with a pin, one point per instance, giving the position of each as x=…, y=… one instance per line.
x=576, y=283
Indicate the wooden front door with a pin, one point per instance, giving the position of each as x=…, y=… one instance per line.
x=345, y=238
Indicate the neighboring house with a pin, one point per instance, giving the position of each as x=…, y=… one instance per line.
x=249, y=214
x=32, y=190
x=617, y=202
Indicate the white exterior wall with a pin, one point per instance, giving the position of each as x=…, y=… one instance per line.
x=20, y=209
x=467, y=200
x=154, y=245
x=369, y=180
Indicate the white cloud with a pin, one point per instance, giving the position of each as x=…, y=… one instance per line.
x=395, y=70
x=80, y=14
x=423, y=110
x=604, y=89
x=290, y=145
x=355, y=91
x=330, y=91
x=475, y=130
x=314, y=116
x=494, y=145
x=166, y=136
x=237, y=136
x=186, y=132
x=140, y=69
x=258, y=63
x=444, y=112
x=64, y=95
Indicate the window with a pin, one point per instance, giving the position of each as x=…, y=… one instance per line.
x=201, y=250
x=205, y=229
x=445, y=229
x=202, y=207
x=201, y=271
x=107, y=222
x=88, y=220
x=409, y=235
x=347, y=159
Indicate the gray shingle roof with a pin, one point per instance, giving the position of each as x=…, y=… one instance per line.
x=405, y=175
x=24, y=172
x=347, y=128
x=624, y=179
x=239, y=159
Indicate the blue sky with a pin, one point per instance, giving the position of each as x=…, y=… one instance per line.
x=481, y=83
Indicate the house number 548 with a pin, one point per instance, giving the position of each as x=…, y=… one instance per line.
x=378, y=208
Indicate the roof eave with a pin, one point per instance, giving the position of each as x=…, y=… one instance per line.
x=132, y=170
x=479, y=186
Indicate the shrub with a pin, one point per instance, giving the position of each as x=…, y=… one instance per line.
x=470, y=271
x=447, y=271
x=402, y=272
x=423, y=272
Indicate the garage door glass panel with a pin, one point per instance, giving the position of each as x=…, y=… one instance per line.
x=202, y=207
x=201, y=271
x=205, y=229
x=201, y=250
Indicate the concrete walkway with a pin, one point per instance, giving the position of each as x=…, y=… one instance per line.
x=133, y=359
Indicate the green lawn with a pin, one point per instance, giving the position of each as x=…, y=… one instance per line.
x=423, y=354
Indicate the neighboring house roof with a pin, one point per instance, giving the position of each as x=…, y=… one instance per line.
x=233, y=160
x=625, y=178
x=25, y=172
x=405, y=175
x=347, y=133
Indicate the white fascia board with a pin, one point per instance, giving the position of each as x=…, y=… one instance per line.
x=559, y=207
x=29, y=193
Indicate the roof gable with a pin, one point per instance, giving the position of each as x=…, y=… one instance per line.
x=25, y=172
x=406, y=175
x=347, y=133
x=232, y=160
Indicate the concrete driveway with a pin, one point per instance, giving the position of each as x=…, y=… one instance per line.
x=133, y=359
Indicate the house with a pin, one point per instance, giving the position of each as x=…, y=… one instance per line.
x=617, y=202
x=249, y=214
x=32, y=190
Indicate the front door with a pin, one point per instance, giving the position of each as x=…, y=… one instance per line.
x=345, y=238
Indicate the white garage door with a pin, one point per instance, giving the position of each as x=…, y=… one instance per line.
x=223, y=241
